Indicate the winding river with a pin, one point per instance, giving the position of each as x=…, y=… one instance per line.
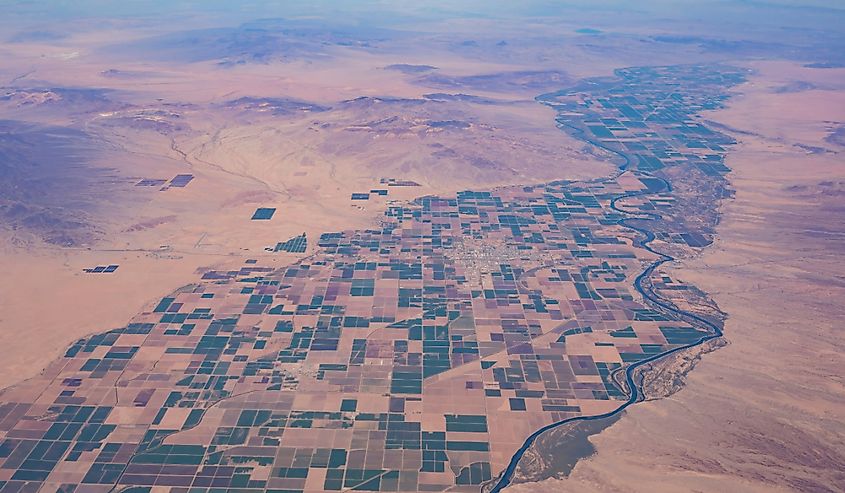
x=634, y=389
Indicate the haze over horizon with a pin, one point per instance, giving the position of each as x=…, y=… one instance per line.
x=464, y=246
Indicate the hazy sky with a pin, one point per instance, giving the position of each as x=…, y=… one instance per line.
x=73, y=8
x=736, y=20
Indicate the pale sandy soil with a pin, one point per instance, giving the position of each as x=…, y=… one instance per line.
x=305, y=165
x=767, y=412
x=771, y=401
x=46, y=301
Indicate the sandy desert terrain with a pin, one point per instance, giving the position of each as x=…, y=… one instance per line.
x=150, y=163
x=288, y=136
x=766, y=412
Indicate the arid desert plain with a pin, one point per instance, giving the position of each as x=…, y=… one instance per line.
x=465, y=247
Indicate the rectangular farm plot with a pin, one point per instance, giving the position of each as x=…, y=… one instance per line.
x=101, y=269
x=180, y=181
x=263, y=213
